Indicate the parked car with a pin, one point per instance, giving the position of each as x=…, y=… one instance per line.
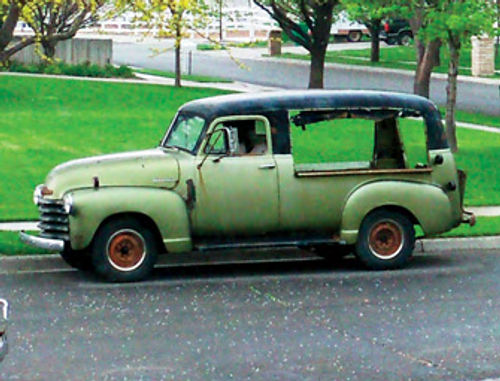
x=4, y=310
x=224, y=176
x=397, y=31
x=350, y=29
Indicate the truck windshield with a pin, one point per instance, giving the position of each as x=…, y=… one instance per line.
x=185, y=132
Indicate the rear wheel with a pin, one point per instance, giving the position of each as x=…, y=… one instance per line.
x=354, y=36
x=405, y=39
x=386, y=240
x=124, y=250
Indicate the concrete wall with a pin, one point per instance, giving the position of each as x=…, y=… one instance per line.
x=74, y=51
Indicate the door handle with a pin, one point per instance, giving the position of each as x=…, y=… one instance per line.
x=267, y=166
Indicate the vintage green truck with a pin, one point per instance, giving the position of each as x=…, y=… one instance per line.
x=225, y=176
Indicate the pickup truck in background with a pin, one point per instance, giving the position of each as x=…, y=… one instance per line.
x=396, y=31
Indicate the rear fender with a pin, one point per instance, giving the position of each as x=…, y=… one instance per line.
x=427, y=204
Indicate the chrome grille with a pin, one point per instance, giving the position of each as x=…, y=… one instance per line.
x=54, y=221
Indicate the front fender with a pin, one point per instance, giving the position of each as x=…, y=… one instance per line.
x=166, y=208
x=427, y=203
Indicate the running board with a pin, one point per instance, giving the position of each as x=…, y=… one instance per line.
x=266, y=244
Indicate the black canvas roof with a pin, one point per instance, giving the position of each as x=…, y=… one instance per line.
x=264, y=102
x=249, y=103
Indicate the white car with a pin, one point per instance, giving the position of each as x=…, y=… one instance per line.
x=4, y=309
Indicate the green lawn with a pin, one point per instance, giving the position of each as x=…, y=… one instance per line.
x=397, y=57
x=48, y=121
x=186, y=77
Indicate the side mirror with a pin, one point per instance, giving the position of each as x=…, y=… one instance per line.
x=232, y=140
x=225, y=137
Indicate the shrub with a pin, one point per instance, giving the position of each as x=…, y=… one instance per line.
x=80, y=70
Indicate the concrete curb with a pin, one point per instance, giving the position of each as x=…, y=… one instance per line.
x=465, y=243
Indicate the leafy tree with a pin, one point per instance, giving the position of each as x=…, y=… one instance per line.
x=453, y=22
x=371, y=14
x=171, y=18
x=10, y=12
x=53, y=21
x=317, y=16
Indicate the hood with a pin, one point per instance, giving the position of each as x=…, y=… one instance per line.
x=152, y=168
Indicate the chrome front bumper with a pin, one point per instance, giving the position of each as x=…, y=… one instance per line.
x=4, y=347
x=42, y=243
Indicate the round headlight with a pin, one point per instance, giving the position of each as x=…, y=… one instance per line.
x=68, y=203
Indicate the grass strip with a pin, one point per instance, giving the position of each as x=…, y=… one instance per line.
x=485, y=226
x=397, y=57
x=10, y=244
x=187, y=77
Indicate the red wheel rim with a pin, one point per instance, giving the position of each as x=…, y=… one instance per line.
x=126, y=250
x=386, y=239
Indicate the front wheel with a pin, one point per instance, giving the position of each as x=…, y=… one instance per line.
x=386, y=240
x=124, y=250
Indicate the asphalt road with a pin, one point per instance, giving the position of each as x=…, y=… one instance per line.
x=294, y=75
x=288, y=320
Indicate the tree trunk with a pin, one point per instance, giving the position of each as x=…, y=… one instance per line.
x=7, y=53
x=178, y=39
x=427, y=54
x=49, y=49
x=221, y=31
x=427, y=59
x=317, y=67
x=497, y=45
x=8, y=26
x=451, y=92
x=7, y=30
x=374, y=28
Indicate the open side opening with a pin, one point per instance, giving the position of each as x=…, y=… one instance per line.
x=358, y=142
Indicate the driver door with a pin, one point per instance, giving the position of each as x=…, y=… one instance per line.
x=237, y=193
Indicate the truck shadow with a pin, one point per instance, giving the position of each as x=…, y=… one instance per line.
x=347, y=266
